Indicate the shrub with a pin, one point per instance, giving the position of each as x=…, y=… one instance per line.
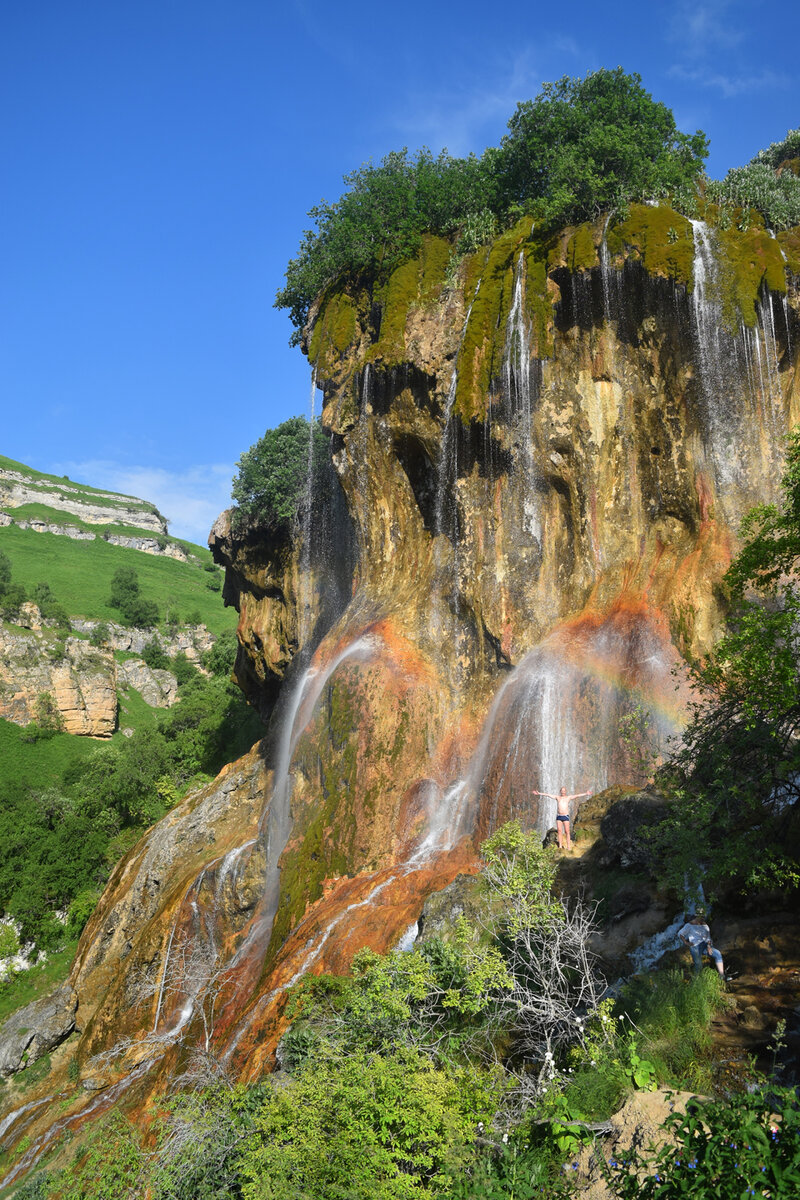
x=366, y=1126
x=155, y=657
x=275, y=475
x=100, y=635
x=747, y=1145
x=125, y=596
x=776, y=197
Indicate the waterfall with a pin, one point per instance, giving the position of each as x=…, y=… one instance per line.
x=305, y=590
x=278, y=824
x=446, y=524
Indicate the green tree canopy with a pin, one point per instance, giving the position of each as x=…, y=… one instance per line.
x=276, y=474
x=587, y=146
x=583, y=146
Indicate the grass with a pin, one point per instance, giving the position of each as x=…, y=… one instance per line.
x=71, y=488
x=37, y=982
x=79, y=574
x=674, y=1016
x=40, y=764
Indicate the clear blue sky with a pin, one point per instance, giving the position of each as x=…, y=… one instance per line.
x=158, y=157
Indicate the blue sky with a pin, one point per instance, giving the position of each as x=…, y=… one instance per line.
x=158, y=157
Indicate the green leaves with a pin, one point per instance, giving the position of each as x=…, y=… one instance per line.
x=272, y=482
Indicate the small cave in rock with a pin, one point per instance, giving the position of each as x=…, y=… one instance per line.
x=421, y=474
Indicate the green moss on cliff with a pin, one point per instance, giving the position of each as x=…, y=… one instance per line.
x=660, y=238
x=481, y=355
x=789, y=242
x=334, y=331
x=750, y=259
x=581, y=250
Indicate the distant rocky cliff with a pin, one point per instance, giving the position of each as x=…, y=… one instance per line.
x=545, y=451
x=22, y=487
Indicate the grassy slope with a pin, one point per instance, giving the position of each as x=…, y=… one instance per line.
x=76, y=491
x=79, y=574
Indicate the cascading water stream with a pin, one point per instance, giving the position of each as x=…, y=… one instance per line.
x=305, y=577
x=447, y=489
x=278, y=825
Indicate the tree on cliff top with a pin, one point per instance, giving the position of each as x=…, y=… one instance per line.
x=587, y=146
x=272, y=481
x=583, y=146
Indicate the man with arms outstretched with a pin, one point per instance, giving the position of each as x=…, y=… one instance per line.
x=563, y=802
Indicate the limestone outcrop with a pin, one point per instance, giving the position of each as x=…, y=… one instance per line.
x=18, y=488
x=79, y=680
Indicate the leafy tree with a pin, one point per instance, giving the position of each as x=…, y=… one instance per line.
x=12, y=595
x=379, y=221
x=591, y=145
x=220, y=658
x=5, y=571
x=737, y=776
x=272, y=483
x=126, y=596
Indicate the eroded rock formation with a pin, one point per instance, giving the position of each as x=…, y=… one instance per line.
x=545, y=452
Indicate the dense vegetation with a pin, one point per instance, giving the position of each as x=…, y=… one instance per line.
x=425, y=1073
x=581, y=147
x=62, y=834
x=284, y=474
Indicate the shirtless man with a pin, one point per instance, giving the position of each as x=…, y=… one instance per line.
x=563, y=802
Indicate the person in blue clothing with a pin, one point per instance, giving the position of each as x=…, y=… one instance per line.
x=697, y=936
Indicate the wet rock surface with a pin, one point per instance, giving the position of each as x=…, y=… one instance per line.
x=36, y=1029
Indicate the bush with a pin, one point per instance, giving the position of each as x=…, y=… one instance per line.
x=369, y=1127
x=125, y=596
x=274, y=475
x=100, y=635
x=747, y=1145
x=776, y=197
x=155, y=656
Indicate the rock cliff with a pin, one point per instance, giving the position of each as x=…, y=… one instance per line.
x=545, y=450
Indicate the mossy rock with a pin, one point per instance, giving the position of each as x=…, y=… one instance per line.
x=789, y=242
x=751, y=260
x=581, y=250
x=334, y=330
x=417, y=282
x=660, y=238
x=481, y=355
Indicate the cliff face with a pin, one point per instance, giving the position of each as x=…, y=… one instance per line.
x=545, y=452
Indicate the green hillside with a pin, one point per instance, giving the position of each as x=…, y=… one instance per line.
x=79, y=574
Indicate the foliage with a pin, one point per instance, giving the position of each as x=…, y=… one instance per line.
x=747, y=1145
x=155, y=657
x=201, y=1138
x=49, y=606
x=780, y=152
x=126, y=596
x=546, y=947
x=757, y=186
x=379, y=221
x=273, y=481
x=736, y=778
x=220, y=658
x=581, y=147
x=592, y=145
x=434, y=998
x=12, y=595
x=110, y=1166
x=100, y=635
x=368, y=1126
